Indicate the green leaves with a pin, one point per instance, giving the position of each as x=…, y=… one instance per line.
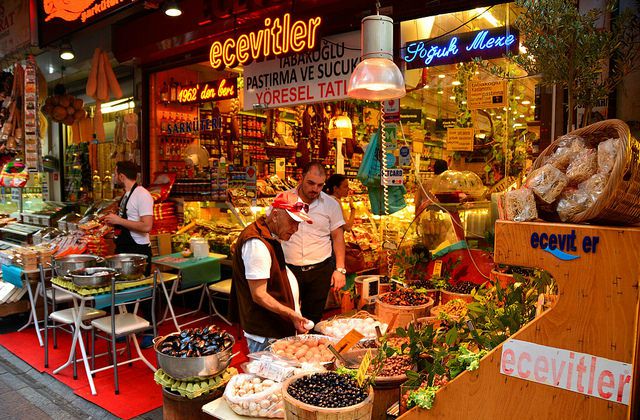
x=423, y=397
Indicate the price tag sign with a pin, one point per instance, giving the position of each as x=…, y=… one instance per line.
x=15, y=194
x=348, y=341
x=437, y=268
x=363, y=368
x=486, y=95
x=460, y=139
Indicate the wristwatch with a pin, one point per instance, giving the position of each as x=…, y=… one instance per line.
x=341, y=270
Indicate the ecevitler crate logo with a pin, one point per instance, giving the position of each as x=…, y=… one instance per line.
x=561, y=245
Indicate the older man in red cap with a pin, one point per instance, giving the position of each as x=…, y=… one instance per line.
x=264, y=295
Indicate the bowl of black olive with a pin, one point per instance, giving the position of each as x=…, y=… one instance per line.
x=326, y=393
x=194, y=353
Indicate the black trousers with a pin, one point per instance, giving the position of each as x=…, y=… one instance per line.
x=314, y=285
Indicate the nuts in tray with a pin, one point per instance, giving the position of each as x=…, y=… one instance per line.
x=328, y=390
x=405, y=297
x=393, y=366
x=455, y=308
x=304, y=349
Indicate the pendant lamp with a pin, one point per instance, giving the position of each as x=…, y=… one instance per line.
x=376, y=77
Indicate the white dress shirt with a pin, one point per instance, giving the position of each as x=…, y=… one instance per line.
x=311, y=244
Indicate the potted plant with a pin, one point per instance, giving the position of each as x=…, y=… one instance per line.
x=570, y=47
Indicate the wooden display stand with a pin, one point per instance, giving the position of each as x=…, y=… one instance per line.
x=596, y=313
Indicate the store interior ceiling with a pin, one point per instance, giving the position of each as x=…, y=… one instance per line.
x=73, y=73
x=432, y=89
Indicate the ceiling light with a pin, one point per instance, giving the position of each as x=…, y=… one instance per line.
x=172, y=9
x=117, y=105
x=517, y=98
x=464, y=102
x=486, y=14
x=442, y=76
x=521, y=115
x=425, y=87
x=376, y=77
x=456, y=83
x=66, y=52
x=453, y=98
x=525, y=102
x=440, y=92
x=498, y=117
x=51, y=69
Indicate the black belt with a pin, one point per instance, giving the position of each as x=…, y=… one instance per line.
x=310, y=266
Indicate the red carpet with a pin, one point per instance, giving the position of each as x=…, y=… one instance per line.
x=138, y=391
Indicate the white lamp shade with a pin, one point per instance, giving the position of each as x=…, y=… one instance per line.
x=376, y=79
x=340, y=127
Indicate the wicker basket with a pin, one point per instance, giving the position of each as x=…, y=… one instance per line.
x=619, y=203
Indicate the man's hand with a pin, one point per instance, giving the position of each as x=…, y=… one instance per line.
x=338, y=280
x=299, y=321
x=113, y=219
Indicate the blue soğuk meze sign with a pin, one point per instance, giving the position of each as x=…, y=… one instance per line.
x=457, y=48
x=560, y=245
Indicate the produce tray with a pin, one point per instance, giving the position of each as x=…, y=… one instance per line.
x=89, y=291
x=194, y=389
x=301, y=337
x=321, y=327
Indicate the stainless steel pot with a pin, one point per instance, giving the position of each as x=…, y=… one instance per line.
x=191, y=368
x=129, y=266
x=63, y=266
x=93, y=276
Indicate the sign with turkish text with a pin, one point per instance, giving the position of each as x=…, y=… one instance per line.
x=460, y=139
x=59, y=18
x=15, y=31
x=320, y=75
x=490, y=94
x=458, y=48
x=577, y=372
x=278, y=37
x=216, y=90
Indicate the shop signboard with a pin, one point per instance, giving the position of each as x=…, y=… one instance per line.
x=277, y=38
x=460, y=139
x=59, y=18
x=15, y=31
x=392, y=110
x=458, y=48
x=319, y=75
x=444, y=123
x=489, y=94
x=216, y=90
x=577, y=372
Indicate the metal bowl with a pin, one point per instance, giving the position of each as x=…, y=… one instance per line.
x=192, y=368
x=129, y=266
x=63, y=266
x=93, y=276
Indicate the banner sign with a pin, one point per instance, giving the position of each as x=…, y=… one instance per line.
x=458, y=48
x=482, y=95
x=15, y=31
x=216, y=90
x=411, y=115
x=577, y=372
x=460, y=139
x=59, y=18
x=320, y=75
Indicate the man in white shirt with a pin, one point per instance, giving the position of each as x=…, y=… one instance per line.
x=135, y=214
x=315, y=253
x=264, y=293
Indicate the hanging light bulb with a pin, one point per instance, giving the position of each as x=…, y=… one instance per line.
x=172, y=9
x=376, y=77
x=66, y=52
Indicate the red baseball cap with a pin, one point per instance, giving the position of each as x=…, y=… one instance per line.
x=296, y=208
